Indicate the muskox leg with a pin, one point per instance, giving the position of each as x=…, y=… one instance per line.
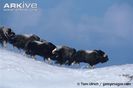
x=49, y=60
x=13, y=47
x=33, y=57
x=24, y=54
x=73, y=63
x=69, y=62
x=91, y=67
x=59, y=62
x=78, y=64
x=4, y=44
x=19, y=50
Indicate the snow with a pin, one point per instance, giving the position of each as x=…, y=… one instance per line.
x=89, y=51
x=28, y=35
x=39, y=42
x=19, y=71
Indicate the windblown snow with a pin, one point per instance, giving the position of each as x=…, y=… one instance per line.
x=18, y=71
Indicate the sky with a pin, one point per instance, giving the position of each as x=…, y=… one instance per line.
x=81, y=24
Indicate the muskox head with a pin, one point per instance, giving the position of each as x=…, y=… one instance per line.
x=103, y=57
x=56, y=52
x=5, y=35
x=10, y=33
x=6, y=32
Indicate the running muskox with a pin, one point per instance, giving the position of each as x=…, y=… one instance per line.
x=69, y=56
x=91, y=57
x=64, y=54
x=41, y=48
x=21, y=40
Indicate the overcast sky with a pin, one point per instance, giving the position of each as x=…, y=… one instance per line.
x=82, y=24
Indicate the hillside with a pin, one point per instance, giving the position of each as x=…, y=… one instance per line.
x=18, y=71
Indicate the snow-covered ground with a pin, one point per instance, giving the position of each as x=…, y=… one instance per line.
x=18, y=71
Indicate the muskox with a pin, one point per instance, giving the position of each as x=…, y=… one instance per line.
x=64, y=54
x=91, y=57
x=5, y=35
x=41, y=48
x=21, y=40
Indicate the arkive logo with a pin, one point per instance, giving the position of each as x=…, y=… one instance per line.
x=20, y=6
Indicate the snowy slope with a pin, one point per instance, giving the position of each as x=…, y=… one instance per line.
x=18, y=71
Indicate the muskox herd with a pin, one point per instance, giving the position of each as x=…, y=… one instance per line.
x=33, y=45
